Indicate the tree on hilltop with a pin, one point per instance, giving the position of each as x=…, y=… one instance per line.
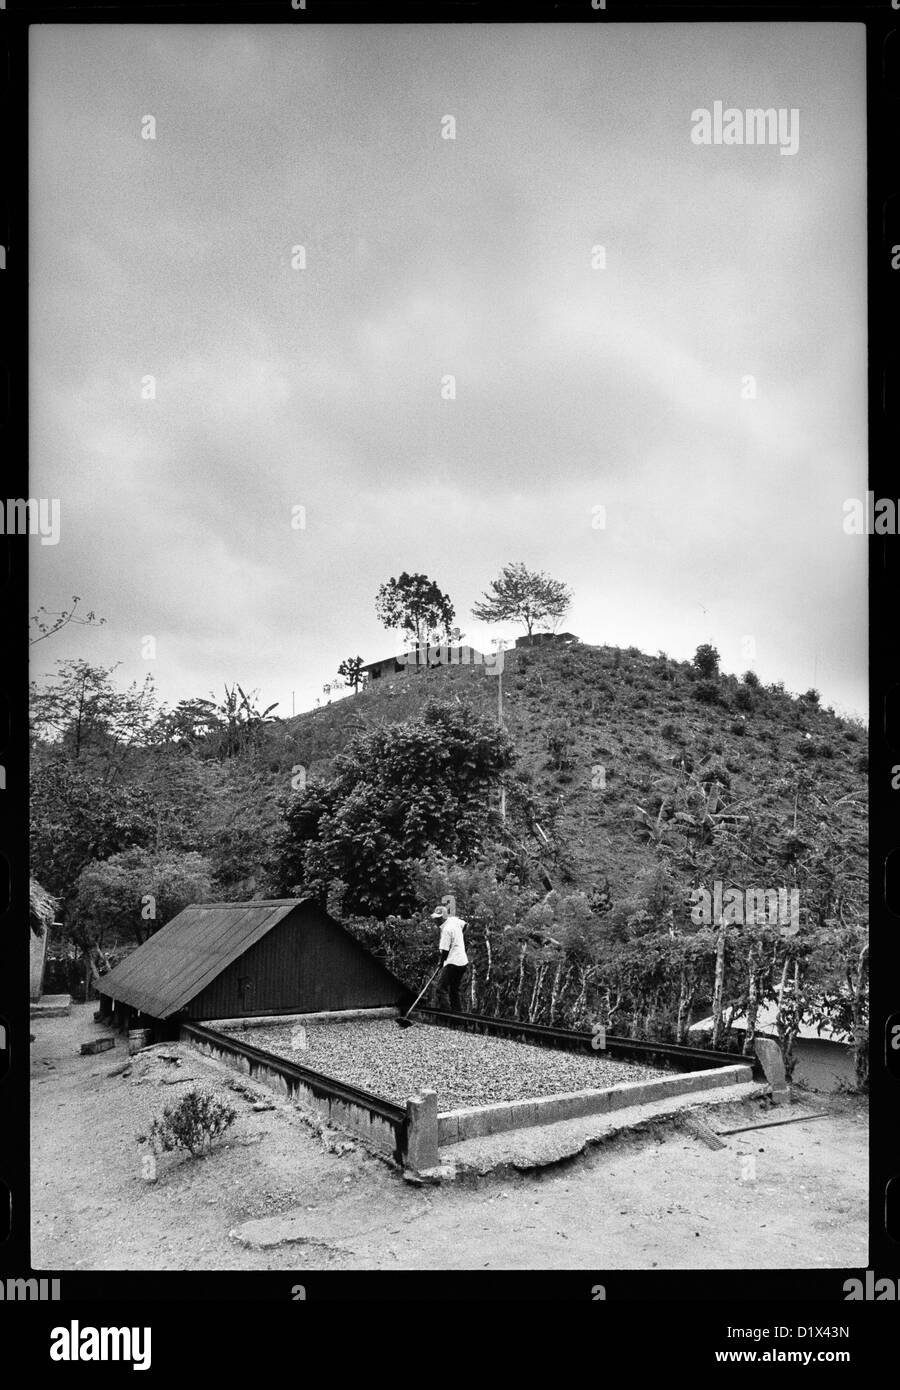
x=524, y=595
x=415, y=605
x=351, y=668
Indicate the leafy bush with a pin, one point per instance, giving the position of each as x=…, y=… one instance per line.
x=193, y=1123
x=396, y=791
x=752, y=679
x=738, y=728
x=706, y=660
x=811, y=696
x=743, y=699
x=708, y=693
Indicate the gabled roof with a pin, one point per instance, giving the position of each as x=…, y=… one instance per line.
x=181, y=959
x=409, y=656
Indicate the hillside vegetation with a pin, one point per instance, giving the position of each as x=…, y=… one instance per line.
x=574, y=839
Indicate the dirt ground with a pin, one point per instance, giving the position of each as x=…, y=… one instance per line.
x=789, y=1197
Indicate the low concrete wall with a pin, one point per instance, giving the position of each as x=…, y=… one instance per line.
x=456, y=1125
x=376, y=1122
x=234, y=1025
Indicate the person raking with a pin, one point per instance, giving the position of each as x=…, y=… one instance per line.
x=452, y=951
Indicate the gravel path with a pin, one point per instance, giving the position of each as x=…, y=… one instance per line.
x=464, y=1068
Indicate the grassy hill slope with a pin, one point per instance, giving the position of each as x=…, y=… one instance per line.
x=599, y=731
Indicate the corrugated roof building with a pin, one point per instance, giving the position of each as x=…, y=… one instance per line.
x=244, y=960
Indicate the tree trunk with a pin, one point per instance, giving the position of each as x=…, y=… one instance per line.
x=686, y=993
x=718, y=988
x=752, y=1000
x=535, y=994
x=554, y=992
x=860, y=1025
x=520, y=984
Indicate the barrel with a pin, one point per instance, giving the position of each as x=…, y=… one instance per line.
x=138, y=1038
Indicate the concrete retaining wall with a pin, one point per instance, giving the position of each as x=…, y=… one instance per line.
x=235, y=1025
x=382, y=1127
x=457, y=1125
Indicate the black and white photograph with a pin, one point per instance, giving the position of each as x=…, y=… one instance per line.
x=448, y=530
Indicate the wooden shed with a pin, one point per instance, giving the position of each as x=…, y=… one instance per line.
x=246, y=960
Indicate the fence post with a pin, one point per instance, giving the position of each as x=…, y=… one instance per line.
x=769, y=1054
x=421, y=1132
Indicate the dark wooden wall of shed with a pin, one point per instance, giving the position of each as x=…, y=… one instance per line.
x=305, y=964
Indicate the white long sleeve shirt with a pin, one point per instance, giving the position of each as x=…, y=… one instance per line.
x=452, y=941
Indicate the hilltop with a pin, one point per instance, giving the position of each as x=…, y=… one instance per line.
x=601, y=731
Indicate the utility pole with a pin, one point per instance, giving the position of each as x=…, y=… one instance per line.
x=499, y=643
x=293, y=711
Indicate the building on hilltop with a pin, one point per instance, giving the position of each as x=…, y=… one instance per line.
x=542, y=639
x=423, y=656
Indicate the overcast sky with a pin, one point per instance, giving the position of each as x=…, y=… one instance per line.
x=576, y=387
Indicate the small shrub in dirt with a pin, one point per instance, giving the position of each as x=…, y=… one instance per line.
x=193, y=1123
x=715, y=769
x=738, y=728
x=862, y=763
x=743, y=699
x=559, y=744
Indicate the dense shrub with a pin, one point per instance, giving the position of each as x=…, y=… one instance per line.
x=752, y=679
x=706, y=660
x=708, y=693
x=743, y=699
x=193, y=1123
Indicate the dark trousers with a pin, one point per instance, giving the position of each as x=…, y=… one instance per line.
x=449, y=983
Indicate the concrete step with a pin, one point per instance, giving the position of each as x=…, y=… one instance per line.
x=52, y=1006
x=538, y=1146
